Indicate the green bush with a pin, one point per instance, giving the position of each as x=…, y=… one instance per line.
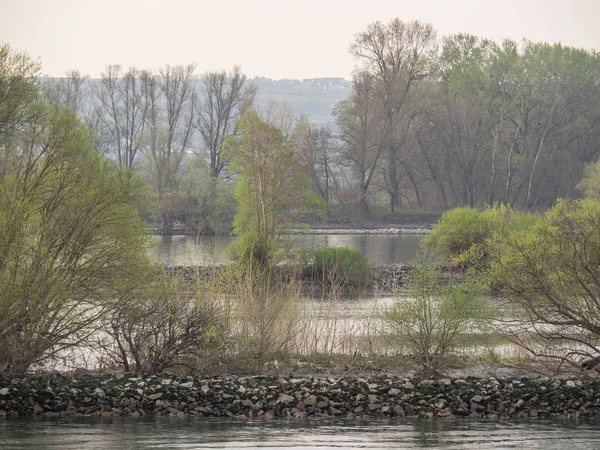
x=431, y=321
x=550, y=274
x=462, y=235
x=344, y=266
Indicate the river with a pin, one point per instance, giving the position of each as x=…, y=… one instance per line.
x=379, y=248
x=121, y=433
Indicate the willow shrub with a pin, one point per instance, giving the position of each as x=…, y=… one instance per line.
x=342, y=266
x=550, y=273
x=429, y=323
x=462, y=236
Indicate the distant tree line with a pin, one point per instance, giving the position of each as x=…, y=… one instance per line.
x=430, y=123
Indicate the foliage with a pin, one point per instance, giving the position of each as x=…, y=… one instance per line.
x=430, y=322
x=550, y=273
x=70, y=240
x=343, y=266
x=204, y=203
x=461, y=236
x=255, y=251
x=272, y=191
x=19, y=88
x=590, y=184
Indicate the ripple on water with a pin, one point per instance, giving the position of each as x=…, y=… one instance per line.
x=88, y=433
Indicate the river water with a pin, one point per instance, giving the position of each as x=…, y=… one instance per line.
x=190, y=250
x=121, y=433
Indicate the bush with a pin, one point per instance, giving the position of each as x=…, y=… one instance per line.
x=168, y=323
x=431, y=321
x=343, y=266
x=462, y=235
x=550, y=273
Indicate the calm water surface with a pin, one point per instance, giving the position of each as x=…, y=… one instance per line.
x=380, y=249
x=87, y=433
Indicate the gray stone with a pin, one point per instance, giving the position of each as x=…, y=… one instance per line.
x=100, y=392
x=285, y=399
x=311, y=400
x=477, y=399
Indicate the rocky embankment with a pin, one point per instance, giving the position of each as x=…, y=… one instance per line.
x=387, y=278
x=302, y=398
x=414, y=230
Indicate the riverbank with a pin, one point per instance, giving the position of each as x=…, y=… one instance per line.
x=87, y=394
x=320, y=230
x=387, y=278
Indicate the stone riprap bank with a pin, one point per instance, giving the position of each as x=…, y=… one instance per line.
x=297, y=399
x=388, y=278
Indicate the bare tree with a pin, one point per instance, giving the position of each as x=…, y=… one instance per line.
x=396, y=54
x=362, y=132
x=224, y=99
x=121, y=103
x=313, y=147
x=171, y=108
x=70, y=90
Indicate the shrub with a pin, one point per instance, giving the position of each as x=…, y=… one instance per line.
x=550, y=273
x=344, y=266
x=168, y=323
x=462, y=235
x=430, y=322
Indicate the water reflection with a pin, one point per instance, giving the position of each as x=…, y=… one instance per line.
x=87, y=433
x=190, y=250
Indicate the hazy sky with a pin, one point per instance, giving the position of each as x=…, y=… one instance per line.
x=272, y=38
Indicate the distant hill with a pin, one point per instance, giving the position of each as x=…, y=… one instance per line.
x=312, y=97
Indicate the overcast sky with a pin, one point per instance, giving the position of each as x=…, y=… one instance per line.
x=271, y=38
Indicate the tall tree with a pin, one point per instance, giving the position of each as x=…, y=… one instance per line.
x=272, y=191
x=171, y=107
x=396, y=54
x=122, y=103
x=224, y=99
x=362, y=132
x=70, y=91
x=313, y=147
x=69, y=237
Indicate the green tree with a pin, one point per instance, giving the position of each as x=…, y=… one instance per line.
x=272, y=191
x=19, y=88
x=70, y=241
x=590, y=184
x=550, y=274
x=204, y=203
